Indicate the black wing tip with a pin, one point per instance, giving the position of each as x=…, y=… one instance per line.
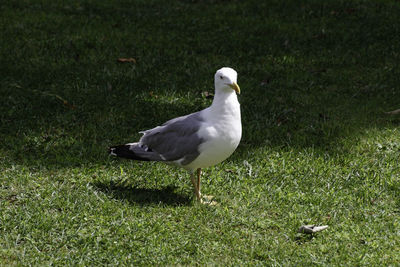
x=124, y=151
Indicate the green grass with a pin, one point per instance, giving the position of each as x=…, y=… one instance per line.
x=317, y=148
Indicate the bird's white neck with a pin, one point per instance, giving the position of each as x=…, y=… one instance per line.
x=225, y=103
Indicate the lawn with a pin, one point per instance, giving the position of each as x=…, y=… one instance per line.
x=316, y=77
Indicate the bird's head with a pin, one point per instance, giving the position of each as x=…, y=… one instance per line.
x=226, y=79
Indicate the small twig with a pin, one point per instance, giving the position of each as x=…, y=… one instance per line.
x=65, y=102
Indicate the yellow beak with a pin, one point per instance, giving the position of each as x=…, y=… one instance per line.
x=235, y=87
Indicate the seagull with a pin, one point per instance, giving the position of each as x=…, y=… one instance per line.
x=195, y=141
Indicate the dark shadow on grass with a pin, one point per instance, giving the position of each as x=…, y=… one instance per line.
x=302, y=88
x=144, y=196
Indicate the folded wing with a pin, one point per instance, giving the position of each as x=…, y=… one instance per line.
x=175, y=140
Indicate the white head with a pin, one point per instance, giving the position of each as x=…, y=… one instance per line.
x=225, y=79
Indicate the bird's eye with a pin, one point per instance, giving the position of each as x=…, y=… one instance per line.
x=221, y=77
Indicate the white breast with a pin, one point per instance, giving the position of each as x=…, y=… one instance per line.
x=222, y=132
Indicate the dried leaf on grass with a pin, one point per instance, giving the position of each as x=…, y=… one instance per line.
x=123, y=60
x=310, y=229
x=393, y=112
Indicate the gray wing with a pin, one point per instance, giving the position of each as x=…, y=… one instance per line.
x=176, y=139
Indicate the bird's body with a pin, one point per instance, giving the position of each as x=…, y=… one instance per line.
x=220, y=131
x=198, y=140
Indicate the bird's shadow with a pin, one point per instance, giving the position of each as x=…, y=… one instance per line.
x=144, y=196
